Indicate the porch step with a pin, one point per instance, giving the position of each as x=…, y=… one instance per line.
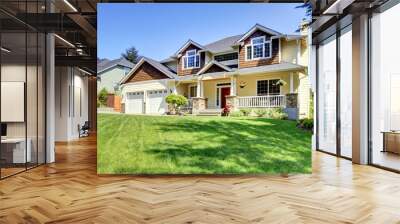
x=210, y=112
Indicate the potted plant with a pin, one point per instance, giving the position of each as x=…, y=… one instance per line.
x=280, y=82
x=226, y=110
x=175, y=101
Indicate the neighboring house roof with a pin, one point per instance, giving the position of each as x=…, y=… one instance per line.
x=157, y=65
x=223, y=45
x=211, y=63
x=106, y=64
x=188, y=43
x=258, y=27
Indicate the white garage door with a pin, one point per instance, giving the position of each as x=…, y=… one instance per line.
x=156, y=101
x=134, y=103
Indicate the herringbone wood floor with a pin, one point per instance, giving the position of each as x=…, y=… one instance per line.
x=69, y=191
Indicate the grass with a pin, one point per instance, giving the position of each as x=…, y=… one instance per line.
x=129, y=144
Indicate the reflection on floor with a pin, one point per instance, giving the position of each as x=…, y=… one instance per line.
x=387, y=159
x=70, y=191
x=10, y=169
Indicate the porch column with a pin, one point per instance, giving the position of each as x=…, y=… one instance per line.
x=200, y=91
x=199, y=102
x=233, y=86
x=174, y=91
x=291, y=83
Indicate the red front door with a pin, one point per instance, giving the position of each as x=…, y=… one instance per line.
x=226, y=91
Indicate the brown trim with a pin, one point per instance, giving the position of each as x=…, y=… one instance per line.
x=146, y=72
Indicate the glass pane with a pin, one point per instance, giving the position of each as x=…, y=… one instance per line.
x=273, y=87
x=258, y=51
x=191, y=53
x=248, y=52
x=259, y=40
x=262, y=87
x=267, y=49
x=13, y=80
x=190, y=61
x=385, y=89
x=346, y=92
x=327, y=95
x=31, y=99
x=41, y=99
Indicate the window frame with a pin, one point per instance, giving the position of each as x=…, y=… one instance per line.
x=185, y=66
x=263, y=48
x=268, y=83
x=190, y=88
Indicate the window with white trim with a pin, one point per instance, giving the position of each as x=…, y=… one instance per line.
x=191, y=59
x=192, y=91
x=268, y=87
x=258, y=48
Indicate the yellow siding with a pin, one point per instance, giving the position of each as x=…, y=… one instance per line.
x=251, y=88
x=289, y=51
x=304, y=96
x=210, y=91
x=182, y=89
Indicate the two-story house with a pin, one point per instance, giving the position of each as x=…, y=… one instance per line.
x=261, y=68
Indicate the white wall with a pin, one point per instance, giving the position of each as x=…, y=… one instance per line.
x=71, y=102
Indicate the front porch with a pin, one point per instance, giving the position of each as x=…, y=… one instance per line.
x=267, y=90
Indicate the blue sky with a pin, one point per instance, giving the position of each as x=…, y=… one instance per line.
x=159, y=30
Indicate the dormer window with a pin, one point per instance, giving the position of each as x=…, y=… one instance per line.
x=259, y=48
x=191, y=59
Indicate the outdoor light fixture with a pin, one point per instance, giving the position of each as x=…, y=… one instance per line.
x=242, y=84
x=64, y=40
x=5, y=50
x=70, y=5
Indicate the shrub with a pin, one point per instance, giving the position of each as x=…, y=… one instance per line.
x=175, y=101
x=277, y=113
x=236, y=114
x=306, y=123
x=245, y=111
x=260, y=112
x=102, y=97
x=271, y=113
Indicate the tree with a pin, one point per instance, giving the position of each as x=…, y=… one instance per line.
x=131, y=54
x=102, y=97
x=307, y=19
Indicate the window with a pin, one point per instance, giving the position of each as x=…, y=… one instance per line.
x=268, y=87
x=258, y=49
x=191, y=59
x=192, y=91
x=226, y=57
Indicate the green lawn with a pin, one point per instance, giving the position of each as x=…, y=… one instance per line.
x=129, y=144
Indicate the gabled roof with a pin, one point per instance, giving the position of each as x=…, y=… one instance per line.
x=106, y=64
x=223, y=45
x=169, y=59
x=157, y=65
x=211, y=63
x=188, y=43
x=258, y=27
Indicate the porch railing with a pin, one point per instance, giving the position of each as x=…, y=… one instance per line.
x=262, y=101
x=188, y=106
